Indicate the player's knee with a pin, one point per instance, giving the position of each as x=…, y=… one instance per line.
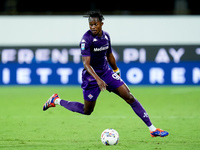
x=130, y=98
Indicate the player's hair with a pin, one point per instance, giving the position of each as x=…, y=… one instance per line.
x=94, y=13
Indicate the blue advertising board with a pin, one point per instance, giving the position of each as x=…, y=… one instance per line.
x=70, y=74
x=145, y=65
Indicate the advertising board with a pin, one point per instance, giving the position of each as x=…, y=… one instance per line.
x=62, y=65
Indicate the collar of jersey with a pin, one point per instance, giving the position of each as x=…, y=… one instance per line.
x=96, y=36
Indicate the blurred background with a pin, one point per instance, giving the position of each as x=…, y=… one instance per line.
x=60, y=7
x=154, y=42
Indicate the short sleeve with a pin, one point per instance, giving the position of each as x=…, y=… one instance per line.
x=85, y=47
x=110, y=48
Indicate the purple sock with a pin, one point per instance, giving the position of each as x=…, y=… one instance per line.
x=73, y=106
x=139, y=110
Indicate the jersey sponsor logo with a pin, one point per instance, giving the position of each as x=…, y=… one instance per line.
x=83, y=46
x=101, y=49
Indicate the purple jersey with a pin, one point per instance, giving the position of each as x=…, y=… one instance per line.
x=97, y=48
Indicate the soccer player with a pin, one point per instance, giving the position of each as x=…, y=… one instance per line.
x=97, y=55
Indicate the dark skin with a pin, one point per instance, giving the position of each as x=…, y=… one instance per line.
x=123, y=91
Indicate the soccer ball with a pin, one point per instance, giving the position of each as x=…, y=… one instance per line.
x=110, y=137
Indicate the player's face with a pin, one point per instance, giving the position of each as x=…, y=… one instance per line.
x=95, y=26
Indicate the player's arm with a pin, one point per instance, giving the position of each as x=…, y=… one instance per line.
x=86, y=62
x=112, y=62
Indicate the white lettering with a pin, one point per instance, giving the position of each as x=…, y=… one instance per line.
x=130, y=54
x=44, y=73
x=196, y=75
x=64, y=74
x=76, y=53
x=8, y=55
x=59, y=56
x=6, y=76
x=142, y=56
x=42, y=55
x=197, y=51
x=156, y=75
x=178, y=75
x=101, y=49
x=176, y=54
x=115, y=76
x=23, y=76
x=25, y=56
x=162, y=56
x=80, y=75
x=134, y=75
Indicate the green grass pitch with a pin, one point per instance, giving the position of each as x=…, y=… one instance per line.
x=24, y=126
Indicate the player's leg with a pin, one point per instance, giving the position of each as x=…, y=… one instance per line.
x=72, y=106
x=86, y=108
x=116, y=85
x=89, y=107
x=90, y=96
x=124, y=92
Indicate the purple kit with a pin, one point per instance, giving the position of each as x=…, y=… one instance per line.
x=97, y=48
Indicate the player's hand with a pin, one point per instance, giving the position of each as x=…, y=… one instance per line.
x=102, y=85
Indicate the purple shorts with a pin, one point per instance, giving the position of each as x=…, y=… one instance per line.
x=91, y=89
